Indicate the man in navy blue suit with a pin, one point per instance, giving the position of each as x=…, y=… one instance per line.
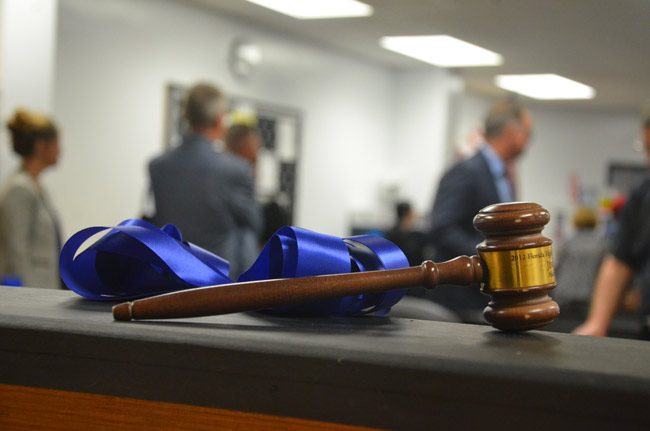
x=483, y=179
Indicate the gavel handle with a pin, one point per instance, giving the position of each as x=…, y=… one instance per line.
x=257, y=295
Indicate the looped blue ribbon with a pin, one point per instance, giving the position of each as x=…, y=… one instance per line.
x=136, y=259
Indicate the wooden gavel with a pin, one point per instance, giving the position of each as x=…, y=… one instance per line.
x=514, y=266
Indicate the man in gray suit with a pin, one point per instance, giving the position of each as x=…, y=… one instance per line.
x=206, y=192
x=471, y=185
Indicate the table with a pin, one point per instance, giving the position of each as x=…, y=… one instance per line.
x=65, y=362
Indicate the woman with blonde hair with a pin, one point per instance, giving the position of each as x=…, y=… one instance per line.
x=29, y=234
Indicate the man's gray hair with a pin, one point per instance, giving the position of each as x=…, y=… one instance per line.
x=503, y=113
x=203, y=105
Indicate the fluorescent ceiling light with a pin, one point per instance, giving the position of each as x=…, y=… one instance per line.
x=546, y=86
x=315, y=9
x=441, y=50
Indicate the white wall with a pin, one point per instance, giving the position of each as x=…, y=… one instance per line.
x=113, y=62
x=27, y=49
x=467, y=124
x=420, y=129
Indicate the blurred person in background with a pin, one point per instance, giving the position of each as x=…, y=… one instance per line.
x=243, y=142
x=577, y=263
x=470, y=185
x=404, y=235
x=629, y=256
x=205, y=191
x=30, y=239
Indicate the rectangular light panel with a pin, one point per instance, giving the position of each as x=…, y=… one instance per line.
x=317, y=9
x=441, y=50
x=547, y=86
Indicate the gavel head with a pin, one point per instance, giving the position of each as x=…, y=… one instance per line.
x=519, y=266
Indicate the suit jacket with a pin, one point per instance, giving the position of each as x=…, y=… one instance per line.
x=29, y=239
x=207, y=194
x=464, y=190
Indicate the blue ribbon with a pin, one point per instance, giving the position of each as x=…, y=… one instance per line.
x=11, y=281
x=136, y=259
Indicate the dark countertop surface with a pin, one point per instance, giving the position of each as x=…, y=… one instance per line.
x=384, y=372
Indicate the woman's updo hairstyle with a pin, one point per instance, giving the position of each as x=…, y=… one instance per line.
x=27, y=128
